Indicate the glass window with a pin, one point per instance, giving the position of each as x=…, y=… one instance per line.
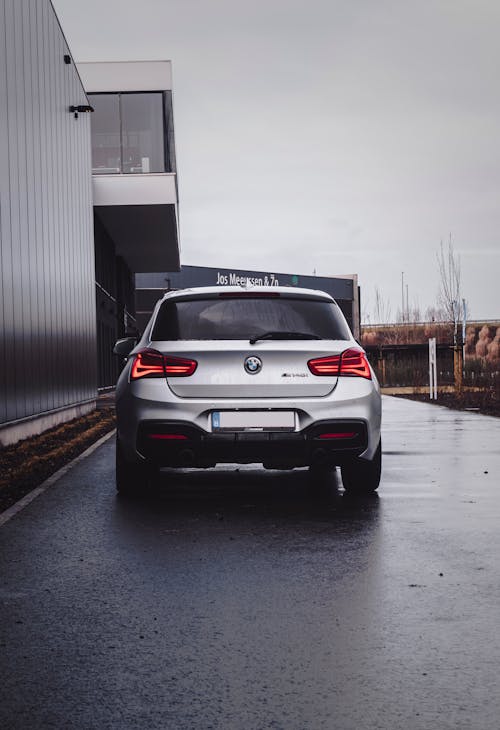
x=127, y=133
x=142, y=133
x=241, y=319
x=106, y=147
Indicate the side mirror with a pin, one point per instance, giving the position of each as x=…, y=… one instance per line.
x=124, y=347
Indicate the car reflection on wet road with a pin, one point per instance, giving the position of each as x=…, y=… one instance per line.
x=240, y=598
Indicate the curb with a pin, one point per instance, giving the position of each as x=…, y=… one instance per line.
x=28, y=498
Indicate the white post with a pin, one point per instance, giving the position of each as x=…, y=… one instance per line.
x=435, y=371
x=432, y=369
x=464, y=320
x=464, y=331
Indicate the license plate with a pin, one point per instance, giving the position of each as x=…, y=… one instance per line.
x=253, y=421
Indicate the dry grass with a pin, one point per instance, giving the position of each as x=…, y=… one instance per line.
x=25, y=465
x=485, y=401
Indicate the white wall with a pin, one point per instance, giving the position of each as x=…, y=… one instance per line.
x=126, y=76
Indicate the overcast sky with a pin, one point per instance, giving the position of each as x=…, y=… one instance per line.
x=337, y=136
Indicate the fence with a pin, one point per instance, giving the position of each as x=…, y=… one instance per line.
x=408, y=365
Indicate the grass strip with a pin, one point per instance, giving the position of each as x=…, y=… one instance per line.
x=25, y=465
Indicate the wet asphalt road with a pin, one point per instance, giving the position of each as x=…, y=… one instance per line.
x=241, y=599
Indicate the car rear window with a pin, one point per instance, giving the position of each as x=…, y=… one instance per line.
x=240, y=319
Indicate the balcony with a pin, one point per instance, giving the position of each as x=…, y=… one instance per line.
x=133, y=161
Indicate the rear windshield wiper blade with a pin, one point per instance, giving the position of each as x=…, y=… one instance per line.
x=279, y=335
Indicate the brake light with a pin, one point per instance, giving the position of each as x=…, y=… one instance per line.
x=147, y=364
x=325, y=365
x=250, y=295
x=351, y=362
x=152, y=364
x=354, y=362
x=179, y=367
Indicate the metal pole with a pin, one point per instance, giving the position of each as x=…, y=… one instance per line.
x=402, y=296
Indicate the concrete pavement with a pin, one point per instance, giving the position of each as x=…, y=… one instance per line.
x=242, y=599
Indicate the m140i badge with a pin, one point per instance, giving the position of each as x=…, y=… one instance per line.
x=253, y=364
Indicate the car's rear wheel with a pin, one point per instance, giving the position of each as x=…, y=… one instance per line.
x=322, y=480
x=132, y=478
x=361, y=476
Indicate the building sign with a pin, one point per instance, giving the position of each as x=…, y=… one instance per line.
x=338, y=287
x=233, y=279
x=150, y=287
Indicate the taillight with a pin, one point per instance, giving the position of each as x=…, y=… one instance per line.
x=325, y=365
x=351, y=363
x=152, y=364
x=147, y=364
x=179, y=367
x=354, y=362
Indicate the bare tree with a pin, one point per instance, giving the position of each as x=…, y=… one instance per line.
x=450, y=299
x=414, y=312
x=382, y=310
x=450, y=295
x=435, y=314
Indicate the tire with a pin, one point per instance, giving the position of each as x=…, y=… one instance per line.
x=132, y=479
x=322, y=480
x=361, y=476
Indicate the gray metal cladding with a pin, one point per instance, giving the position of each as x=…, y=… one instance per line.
x=47, y=301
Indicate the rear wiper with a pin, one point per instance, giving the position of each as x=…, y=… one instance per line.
x=279, y=335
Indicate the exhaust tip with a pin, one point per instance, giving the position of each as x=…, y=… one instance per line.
x=186, y=457
x=319, y=457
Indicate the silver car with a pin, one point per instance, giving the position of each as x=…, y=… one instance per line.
x=247, y=375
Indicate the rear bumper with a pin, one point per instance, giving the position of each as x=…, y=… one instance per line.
x=142, y=405
x=177, y=444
